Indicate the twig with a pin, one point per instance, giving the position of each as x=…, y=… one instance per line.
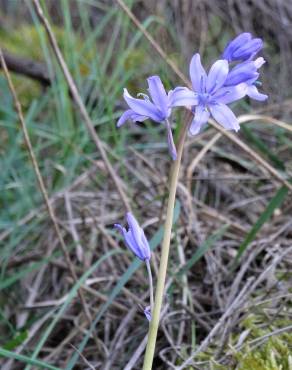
x=83, y=358
x=27, y=67
x=75, y=236
x=76, y=97
x=42, y=185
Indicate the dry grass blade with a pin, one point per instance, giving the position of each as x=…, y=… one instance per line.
x=259, y=117
x=264, y=164
x=42, y=185
x=233, y=307
x=79, y=103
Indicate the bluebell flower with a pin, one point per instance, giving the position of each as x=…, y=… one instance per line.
x=135, y=238
x=158, y=110
x=242, y=48
x=247, y=72
x=209, y=95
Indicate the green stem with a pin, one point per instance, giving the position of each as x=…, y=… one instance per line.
x=153, y=328
x=150, y=285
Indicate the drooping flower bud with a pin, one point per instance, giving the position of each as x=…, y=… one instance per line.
x=135, y=238
x=242, y=48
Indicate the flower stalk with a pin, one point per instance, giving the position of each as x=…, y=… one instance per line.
x=150, y=285
x=159, y=294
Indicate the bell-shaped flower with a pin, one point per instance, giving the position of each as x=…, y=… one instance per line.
x=243, y=47
x=135, y=238
x=158, y=110
x=247, y=72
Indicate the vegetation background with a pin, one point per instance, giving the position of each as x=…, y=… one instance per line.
x=230, y=263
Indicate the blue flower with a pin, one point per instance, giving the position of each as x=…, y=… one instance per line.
x=135, y=238
x=247, y=72
x=210, y=96
x=158, y=110
x=242, y=48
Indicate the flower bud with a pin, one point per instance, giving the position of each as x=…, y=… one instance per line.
x=242, y=48
x=135, y=238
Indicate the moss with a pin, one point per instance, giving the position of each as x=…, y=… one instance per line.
x=274, y=354
x=25, y=42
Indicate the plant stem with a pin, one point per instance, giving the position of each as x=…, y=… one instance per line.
x=153, y=328
x=150, y=285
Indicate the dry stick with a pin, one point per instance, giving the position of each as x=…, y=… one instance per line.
x=79, y=102
x=42, y=185
x=177, y=71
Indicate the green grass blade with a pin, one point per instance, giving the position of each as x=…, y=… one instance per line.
x=274, y=203
x=199, y=253
x=27, y=360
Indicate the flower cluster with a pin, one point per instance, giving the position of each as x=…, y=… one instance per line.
x=229, y=79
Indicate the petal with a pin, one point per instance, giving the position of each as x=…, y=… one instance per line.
x=143, y=107
x=242, y=72
x=227, y=95
x=217, y=75
x=198, y=74
x=138, y=118
x=235, y=44
x=183, y=97
x=171, y=145
x=253, y=93
x=248, y=49
x=138, y=238
x=145, y=245
x=119, y=227
x=147, y=313
x=132, y=245
x=259, y=62
x=127, y=115
x=201, y=118
x=158, y=94
x=224, y=116
x=134, y=227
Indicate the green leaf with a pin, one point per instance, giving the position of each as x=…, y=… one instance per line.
x=19, y=338
x=274, y=203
